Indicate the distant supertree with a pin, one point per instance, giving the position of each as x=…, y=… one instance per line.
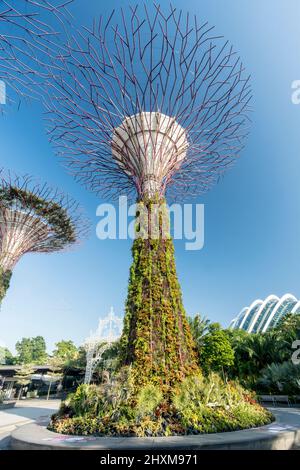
x=34, y=218
x=28, y=32
x=149, y=104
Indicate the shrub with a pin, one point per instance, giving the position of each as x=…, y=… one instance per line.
x=282, y=378
x=216, y=351
x=211, y=390
x=148, y=399
x=199, y=404
x=78, y=425
x=86, y=400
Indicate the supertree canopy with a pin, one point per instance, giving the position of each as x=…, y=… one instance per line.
x=28, y=32
x=139, y=81
x=34, y=218
x=149, y=102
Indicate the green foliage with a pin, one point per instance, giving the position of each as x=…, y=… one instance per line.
x=51, y=212
x=79, y=425
x=5, y=277
x=66, y=350
x=207, y=404
x=285, y=333
x=288, y=327
x=23, y=375
x=284, y=378
x=255, y=352
x=87, y=400
x=78, y=361
x=6, y=356
x=199, y=390
x=56, y=365
x=149, y=397
x=216, y=351
x=199, y=326
x=110, y=360
x=156, y=337
x=198, y=405
x=262, y=361
x=39, y=354
x=31, y=350
x=24, y=350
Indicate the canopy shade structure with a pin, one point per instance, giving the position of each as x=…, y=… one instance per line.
x=149, y=79
x=34, y=218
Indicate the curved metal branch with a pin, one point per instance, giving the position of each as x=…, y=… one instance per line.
x=147, y=61
x=29, y=31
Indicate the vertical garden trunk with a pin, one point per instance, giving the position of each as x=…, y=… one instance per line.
x=4, y=282
x=156, y=339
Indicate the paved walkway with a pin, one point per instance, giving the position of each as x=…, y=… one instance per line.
x=25, y=411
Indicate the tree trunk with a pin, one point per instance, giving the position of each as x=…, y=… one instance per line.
x=156, y=338
x=20, y=392
x=49, y=389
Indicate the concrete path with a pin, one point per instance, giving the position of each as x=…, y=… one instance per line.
x=25, y=412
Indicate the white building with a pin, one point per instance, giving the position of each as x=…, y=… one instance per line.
x=262, y=315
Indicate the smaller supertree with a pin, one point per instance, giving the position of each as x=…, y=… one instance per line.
x=34, y=218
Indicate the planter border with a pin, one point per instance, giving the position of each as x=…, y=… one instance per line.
x=7, y=405
x=277, y=435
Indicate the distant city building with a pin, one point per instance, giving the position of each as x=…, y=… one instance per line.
x=262, y=315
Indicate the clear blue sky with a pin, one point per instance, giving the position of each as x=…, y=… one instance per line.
x=252, y=217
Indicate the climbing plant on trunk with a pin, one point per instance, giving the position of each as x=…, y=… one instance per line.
x=156, y=339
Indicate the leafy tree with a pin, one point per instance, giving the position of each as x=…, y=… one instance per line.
x=216, y=352
x=252, y=352
x=79, y=362
x=214, y=327
x=66, y=350
x=24, y=350
x=289, y=325
x=23, y=376
x=267, y=348
x=39, y=354
x=6, y=356
x=31, y=350
x=287, y=331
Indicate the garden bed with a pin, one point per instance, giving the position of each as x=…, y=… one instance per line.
x=198, y=405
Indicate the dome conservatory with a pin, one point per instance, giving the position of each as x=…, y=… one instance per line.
x=262, y=315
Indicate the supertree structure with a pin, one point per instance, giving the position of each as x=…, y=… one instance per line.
x=28, y=32
x=34, y=219
x=149, y=103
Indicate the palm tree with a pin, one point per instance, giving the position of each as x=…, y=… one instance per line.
x=264, y=349
x=199, y=326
